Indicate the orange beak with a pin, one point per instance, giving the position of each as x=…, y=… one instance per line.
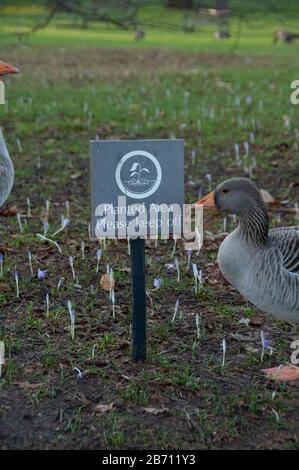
x=6, y=69
x=208, y=201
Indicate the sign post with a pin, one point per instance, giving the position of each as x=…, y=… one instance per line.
x=137, y=192
x=138, y=299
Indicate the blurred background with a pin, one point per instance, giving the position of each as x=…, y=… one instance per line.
x=211, y=72
x=189, y=24
x=217, y=74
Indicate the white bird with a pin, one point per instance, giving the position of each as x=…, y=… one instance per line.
x=6, y=165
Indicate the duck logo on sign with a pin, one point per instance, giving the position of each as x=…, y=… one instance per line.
x=138, y=174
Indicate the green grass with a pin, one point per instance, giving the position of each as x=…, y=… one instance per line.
x=66, y=30
x=65, y=96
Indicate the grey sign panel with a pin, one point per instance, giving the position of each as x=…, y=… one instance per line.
x=137, y=174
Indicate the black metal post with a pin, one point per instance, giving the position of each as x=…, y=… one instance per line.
x=138, y=299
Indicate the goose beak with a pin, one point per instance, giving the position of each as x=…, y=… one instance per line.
x=6, y=69
x=208, y=201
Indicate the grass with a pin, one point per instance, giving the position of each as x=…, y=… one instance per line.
x=65, y=96
x=163, y=29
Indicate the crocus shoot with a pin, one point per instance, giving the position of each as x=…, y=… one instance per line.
x=111, y=283
x=64, y=222
x=71, y=260
x=47, y=306
x=20, y=223
x=197, y=321
x=39, y=235
x=189, y=254
x=30, y=262
x=28, y=208
x=1, y=264
x=72, y=317
x=197, y=277
x=178, y=269
x=113, y=302
x=176, y=308
x=223, y=352
x=83, y=249
x=2, y=356
x=45, y=228
x=99, y=255
x=47, y=209
x=67, y=206
x=174, y=246
x=17, y=283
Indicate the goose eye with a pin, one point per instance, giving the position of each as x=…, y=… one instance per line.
x=225, y=191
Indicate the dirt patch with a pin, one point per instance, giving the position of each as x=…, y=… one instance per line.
x=87, y=393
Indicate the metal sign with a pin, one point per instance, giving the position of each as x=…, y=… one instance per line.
x=137, y=188
x=137, y=191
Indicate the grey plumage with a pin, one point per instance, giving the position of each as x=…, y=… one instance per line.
x=6, y=171
x=262, y=264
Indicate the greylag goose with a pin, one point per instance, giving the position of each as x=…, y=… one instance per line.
x=262, y=264
x=6, y=166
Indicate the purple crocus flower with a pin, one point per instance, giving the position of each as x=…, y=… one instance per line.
x=99, y=255
x=265, y=342
x=46, y=228
x=170, y=268
x=157, y=283
x=41, y=274
x=1, y=264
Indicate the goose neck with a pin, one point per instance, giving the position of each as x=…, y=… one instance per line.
x=254, y=225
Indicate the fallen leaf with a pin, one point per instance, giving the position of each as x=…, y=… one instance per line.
x=8, y=211
x=105, y=282
x=155, y=411
x=104, y=408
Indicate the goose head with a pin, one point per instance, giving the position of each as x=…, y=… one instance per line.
x=234, y=196
x=6, y=69
x=241, y=197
